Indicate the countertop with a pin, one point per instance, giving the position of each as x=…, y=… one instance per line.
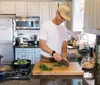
x=27, y=46
x=72, y=70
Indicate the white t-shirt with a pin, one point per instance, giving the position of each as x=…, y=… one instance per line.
x=54, y=35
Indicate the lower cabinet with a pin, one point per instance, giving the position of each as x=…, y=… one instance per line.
x=32, y=54
x=37, y=54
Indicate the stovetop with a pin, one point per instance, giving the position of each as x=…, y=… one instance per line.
x=17, y=74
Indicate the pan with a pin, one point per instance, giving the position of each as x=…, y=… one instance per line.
x=22, y=63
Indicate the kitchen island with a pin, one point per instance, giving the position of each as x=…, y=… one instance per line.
x=73, y=71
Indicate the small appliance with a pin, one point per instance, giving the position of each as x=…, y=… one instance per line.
x=28, y=23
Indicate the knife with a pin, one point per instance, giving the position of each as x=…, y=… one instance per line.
x=62, y=62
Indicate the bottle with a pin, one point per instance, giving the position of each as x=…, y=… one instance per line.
x=91, y=50
x=35, y=40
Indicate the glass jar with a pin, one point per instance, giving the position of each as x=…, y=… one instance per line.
x=88, y=63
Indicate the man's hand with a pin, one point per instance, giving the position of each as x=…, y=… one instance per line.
x=65, y=59
x=57, y=57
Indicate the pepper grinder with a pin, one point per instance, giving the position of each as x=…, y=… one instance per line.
x=0, y=59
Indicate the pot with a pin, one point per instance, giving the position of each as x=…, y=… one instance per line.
x=84, y=52
x=20, y=65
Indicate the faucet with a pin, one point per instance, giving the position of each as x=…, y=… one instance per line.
x=82, y=38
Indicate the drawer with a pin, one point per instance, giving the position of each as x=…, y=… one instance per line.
x=24, y=49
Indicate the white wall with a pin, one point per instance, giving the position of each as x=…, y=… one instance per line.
x=77, y=16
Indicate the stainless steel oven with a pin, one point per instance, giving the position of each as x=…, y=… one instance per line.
x=28, y=23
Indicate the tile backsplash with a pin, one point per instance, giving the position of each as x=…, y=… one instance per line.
x=28, y=33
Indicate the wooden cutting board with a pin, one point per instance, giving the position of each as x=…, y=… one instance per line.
x=73, y=69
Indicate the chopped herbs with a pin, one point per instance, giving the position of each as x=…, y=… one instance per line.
x=43, y=67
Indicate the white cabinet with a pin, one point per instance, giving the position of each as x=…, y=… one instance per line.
x=44, y=12
x=65, y=24
x=19, y=55
x=25, y=53
x=65, y=3
x=32, y=54
x=92, y=16
x=0, y=7
x=77, y=24
x=33, y=9
x=8, y=7
x=21, y=9
x=37, y=54
x=53, y=9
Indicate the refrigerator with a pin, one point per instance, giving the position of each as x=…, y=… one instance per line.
x=6, y=40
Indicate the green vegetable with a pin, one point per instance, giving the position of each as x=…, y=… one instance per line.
x=22, y=61
x=43, y=67
x=57, y=64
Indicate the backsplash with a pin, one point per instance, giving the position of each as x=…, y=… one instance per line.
x=28, y=33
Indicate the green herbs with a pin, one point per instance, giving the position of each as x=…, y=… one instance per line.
x=21, y=62
x=43, y=67
x=57, y=64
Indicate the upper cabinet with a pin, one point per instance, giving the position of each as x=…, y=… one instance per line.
x=8, y=7
x=92, y=16
x=44, y=12
x=65, y=3
x=0, y=8
x=53, y=9
x=33, y=9
x=21, y=8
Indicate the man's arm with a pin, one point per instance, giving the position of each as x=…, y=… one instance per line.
x=64, y=50
x=45, y=48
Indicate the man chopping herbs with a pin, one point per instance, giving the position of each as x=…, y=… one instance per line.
x=52, y=40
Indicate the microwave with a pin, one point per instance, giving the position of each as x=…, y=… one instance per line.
x=28, y=23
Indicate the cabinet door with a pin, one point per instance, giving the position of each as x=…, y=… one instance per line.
x=92, y=17
x=44, y=12
x=20, y=55
x=0, y=8
x=53, y=9
x=37, y=54
x=30, y=56
x=33, y=9
x=8, y=7
x=67, y=24
x=21, y=8
x=65, y=3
